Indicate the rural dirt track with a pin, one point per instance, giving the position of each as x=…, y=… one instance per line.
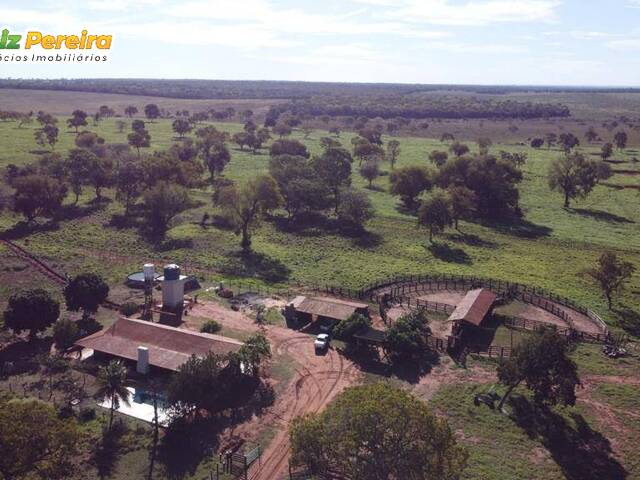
x=317, y=379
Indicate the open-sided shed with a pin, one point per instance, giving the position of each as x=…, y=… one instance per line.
x=474, y=307
x=309, y=309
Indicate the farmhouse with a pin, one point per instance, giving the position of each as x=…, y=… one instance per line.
x=474, y=307
x=152, y=344
x=323, y=309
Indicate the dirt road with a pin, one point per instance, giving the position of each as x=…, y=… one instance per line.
x=316, y=381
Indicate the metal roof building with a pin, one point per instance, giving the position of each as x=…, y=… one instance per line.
x=474, y=307
x=332, y=308
x=168, y=347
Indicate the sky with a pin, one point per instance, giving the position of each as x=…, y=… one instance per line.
x=493, y=42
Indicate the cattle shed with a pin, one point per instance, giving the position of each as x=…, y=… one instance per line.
x=474, y=307
x=309, y=309
x=153, y=344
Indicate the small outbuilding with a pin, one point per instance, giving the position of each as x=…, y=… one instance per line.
x=474, y=307
x=153, y=344
x=311, y=309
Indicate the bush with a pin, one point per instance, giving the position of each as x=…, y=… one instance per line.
x=211, y=327
x=129, y=309
x=345, y=329
x=65, y=333
x=87, y=414
x=225, y=293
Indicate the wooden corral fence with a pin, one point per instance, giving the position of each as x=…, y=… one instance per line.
x=240, y=464
x=549, y=301
x=492, y=351
x=577, y=335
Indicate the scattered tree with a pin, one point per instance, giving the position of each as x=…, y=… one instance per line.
x=65, y=333
x=85, y=292
x=606, y=151
x=394, y=434
x=435, y=214
x=438, y=157
x=574, y=176
x=611, y=273
x=409, y=182
x=393, y=152
x=162, y=202
x=620, y=139
x=537, y=143
x=151, y=111
x=181, y=126
x=459, y=149
x=244, y=205
x=78, y=119
x=333, y=167
x=355, y=209
x=32, y=310
x=541, y=360
x=370, y=171
x=130, y=111
x=37, y=196
x=347, y=328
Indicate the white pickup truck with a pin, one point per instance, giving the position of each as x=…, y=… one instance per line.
x=321, y=342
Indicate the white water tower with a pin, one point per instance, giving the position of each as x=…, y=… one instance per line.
x=173, y=288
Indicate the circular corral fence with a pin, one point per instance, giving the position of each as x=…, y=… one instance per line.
x=521, y=305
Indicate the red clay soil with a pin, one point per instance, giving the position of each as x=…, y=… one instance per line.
x=317, y=380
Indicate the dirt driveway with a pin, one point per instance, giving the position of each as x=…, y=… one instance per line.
x=316, y=381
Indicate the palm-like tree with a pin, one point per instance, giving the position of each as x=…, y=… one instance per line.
x=111, y=384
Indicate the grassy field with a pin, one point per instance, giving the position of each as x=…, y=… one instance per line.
x=551, y=247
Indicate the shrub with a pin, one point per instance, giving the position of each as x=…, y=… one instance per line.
x=211, y=327
x=129, y=309
x=65, y=333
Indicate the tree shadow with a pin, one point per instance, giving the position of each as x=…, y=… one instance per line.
x=168, y=244
x=581, y=452
x=23, y=356
x=23, y=229
x=629, y=320
x=73, y=211
x=447, y=253
x=601, y=215
x=367, y=239
x=257, y=265
x=108, y=448
x=518, y=227
x=370, y=360
x=471, y=239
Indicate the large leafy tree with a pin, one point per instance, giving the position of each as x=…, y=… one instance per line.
x=86, y=292
x=32, y=310
x=409, y=182
x=196, y=386
x=611, y=273
x=347, y=328
x=493, y=181
x=151, y=111
x=407, y=337
x=301, y=187
x=334, y=168
x=181, y=126
x=435, y=214
x=162, y=202
x=35, y=442
x=575, y=176
x=212, y=148
x=129, y=182
x=254, y=351
x=111, y=381
x=244, y=205
x=78, y=119
x=288, y=147
x=38, y=196
x=377, y=432
x=355, y=209
x=541, y=362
